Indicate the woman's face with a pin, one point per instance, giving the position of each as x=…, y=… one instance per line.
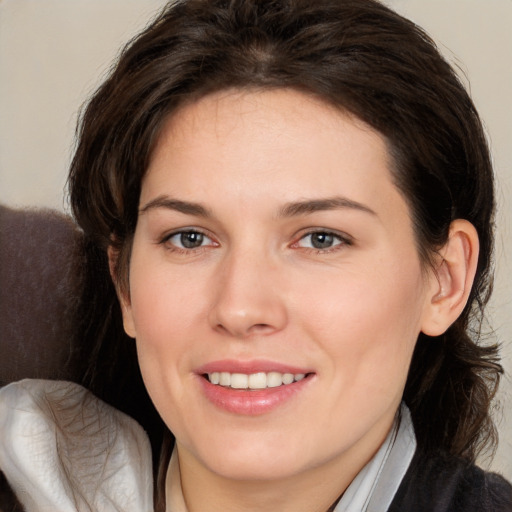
x=276, y=293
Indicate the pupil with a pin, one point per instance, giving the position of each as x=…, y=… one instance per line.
x=191, y=239
x=321, y=240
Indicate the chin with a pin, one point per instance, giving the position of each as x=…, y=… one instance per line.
x=259, y=471
x=254, y=461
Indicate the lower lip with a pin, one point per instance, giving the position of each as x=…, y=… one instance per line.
x=251, y=402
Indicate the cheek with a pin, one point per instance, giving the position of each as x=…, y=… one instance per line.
x=163, y=352
x=165, y=312
x=367, y=321
x=164, y=304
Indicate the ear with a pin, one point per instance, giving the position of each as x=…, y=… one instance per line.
x=451, y=280
x=122, y=295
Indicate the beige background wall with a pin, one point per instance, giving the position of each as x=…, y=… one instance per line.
x=54, y=52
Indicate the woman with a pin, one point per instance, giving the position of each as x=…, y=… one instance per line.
x=295, y=205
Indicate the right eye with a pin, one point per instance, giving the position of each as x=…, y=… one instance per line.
x=188, y=240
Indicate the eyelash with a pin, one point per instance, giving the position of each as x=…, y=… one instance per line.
x=166, y=240
x=343, y=240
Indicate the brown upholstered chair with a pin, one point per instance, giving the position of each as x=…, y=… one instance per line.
x=39, y=294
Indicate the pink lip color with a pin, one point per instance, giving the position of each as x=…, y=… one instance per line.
x=248, y=367
x=250, y=402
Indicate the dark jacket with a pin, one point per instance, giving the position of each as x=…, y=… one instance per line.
x=443, y=483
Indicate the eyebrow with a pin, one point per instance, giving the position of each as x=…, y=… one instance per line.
x=186, y=207
x=292, y=209
x=315, y=205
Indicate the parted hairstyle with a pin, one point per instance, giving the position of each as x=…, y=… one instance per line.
x=356, y=55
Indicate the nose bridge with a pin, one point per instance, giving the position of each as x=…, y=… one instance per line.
x=248, y=298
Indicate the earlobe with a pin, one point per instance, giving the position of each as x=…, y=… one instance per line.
x=452, y=279
x=123, y=296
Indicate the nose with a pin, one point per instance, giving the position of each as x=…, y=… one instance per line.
x=249, y=297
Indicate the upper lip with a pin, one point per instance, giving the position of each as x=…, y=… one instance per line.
x=250, y=367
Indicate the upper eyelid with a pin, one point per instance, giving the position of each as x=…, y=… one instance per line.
x=311, y=231
x=167, y=236
x=344, y=241
x=186, y=229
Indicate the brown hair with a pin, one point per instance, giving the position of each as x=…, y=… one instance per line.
x=355, y=54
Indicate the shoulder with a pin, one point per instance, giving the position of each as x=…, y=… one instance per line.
x=439, y=482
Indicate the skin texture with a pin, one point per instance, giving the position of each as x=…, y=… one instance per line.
x=256, y=288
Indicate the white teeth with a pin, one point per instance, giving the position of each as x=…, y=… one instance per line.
x=257, y=380
x=287, y=378
x=260, y=380
x=274, y=379
x=239, y=381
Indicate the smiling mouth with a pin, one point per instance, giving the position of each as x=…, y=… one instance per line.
x=260, y=380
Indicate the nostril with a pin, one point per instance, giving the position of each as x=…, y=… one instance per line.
x=240, y=317
x=244, y=330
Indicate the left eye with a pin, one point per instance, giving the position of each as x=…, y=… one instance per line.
x=320, y=240
x=189, y=239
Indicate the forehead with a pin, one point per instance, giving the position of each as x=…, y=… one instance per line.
x=279, y=143
x=271, y=109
